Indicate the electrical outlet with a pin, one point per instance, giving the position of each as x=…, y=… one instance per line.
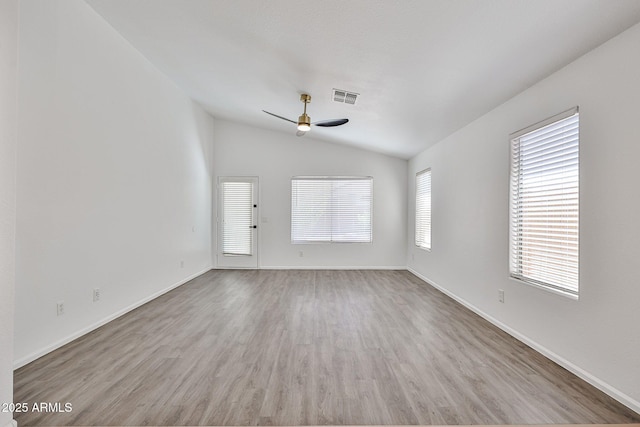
x=96, y=295
x=300, y=254
x=181, y=264
x=501, y=295
x=60, y=308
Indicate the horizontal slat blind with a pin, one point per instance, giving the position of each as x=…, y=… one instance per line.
x=237, y=217
x=331, y=209
x=423, y=209
x=545, y=205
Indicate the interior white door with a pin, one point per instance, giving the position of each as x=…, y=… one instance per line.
x=237, y=222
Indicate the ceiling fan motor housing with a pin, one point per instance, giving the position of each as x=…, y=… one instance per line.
x=304, y=121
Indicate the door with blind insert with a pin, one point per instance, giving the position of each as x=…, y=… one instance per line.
x=237, y=222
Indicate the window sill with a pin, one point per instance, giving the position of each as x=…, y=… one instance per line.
x=546, y=288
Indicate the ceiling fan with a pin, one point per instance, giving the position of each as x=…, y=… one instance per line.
x=304, y=121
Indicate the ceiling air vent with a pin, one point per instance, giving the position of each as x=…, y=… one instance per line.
x=344, y=97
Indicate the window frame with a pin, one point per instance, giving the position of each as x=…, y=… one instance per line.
x=332, y=179
x=515, y=269
x=430, y=216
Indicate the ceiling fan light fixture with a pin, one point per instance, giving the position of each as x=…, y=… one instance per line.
x=304, y=123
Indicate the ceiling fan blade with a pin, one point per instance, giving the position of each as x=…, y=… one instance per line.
x=331, y=123
x=300, y=133
x=280, y=117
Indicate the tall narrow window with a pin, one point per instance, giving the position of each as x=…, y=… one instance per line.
x=237, y=217
x=423, y=209
x=544, y=208
x=331, y=209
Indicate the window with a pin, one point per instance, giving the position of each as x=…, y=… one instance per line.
x=544, y=204
x=423, y=209
x=331, y=209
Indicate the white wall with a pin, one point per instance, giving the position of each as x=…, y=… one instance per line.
x=275, y=158
x=596, y=336
x=8, y=110
x=114, y=179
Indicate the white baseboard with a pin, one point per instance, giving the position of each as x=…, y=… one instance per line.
x=345, y=267
x=48, y=349
x=579, y=372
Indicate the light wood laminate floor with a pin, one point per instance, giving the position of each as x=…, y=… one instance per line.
x=293, y=347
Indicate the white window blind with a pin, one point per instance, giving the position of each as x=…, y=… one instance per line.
x=331, y=209
x=237, y=217
x=423, y=209
x=545, y=204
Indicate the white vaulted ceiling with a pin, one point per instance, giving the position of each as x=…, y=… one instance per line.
x=423, y=68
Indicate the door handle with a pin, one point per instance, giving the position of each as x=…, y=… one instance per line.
x=254, y=226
